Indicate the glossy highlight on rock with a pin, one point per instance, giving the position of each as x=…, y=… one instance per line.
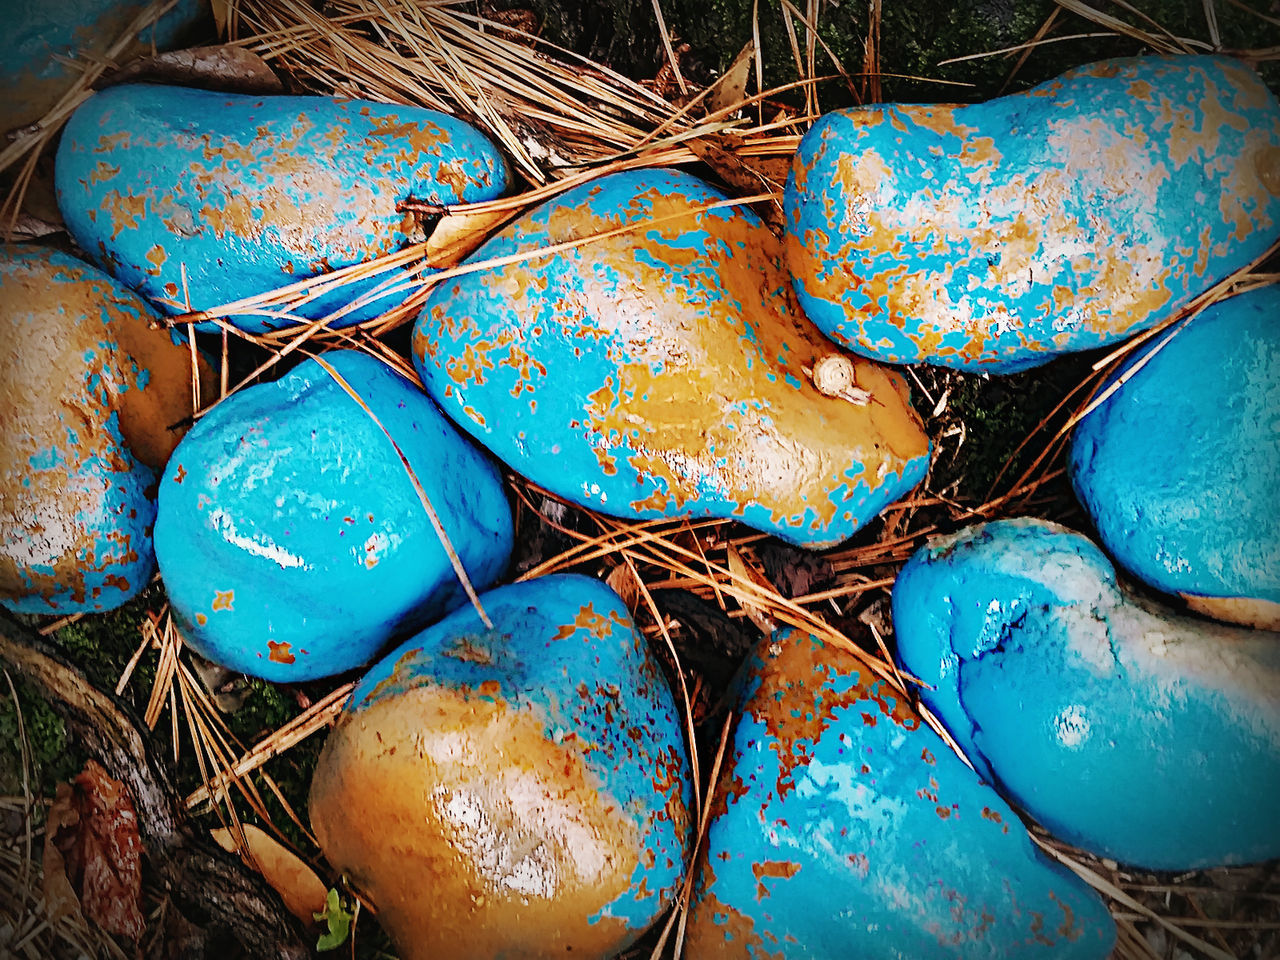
x=92, y=402
x=521, y=791
x=662, y=371
x=995, y=236
x=248, y=194
x=842, y=827
x=1179, y=468
x=290, y=537
x=1126, y=729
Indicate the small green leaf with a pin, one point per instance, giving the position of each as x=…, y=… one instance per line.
x=337, y=918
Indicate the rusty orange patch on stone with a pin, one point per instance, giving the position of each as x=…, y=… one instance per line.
x=223, y=600
x=587, y=619
x=280, y=652
x=783, y=869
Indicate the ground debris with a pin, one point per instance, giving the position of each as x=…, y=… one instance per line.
x=93, y=855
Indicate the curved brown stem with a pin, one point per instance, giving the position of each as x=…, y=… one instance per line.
x=208, y=886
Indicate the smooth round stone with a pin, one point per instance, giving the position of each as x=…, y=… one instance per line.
x=92, y=402
x=1180, y=468
x=40, y=37
x=995, y=236
x=1126, y=729
x=250, y=194
x=290, y=536
x=520, y=791
x=662, y=371
x=843, y=827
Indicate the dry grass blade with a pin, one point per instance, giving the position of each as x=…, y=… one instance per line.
x=312, y=720
x=51, y=628
x=1161, y=41
x=680, y=912
x=169, y=641
x=415, y=289
x=436, y=523
x=1024, y=47
x=1041, y=32
x=1110, y=890
x=546, y=112
x=22, y=887
x=31, y=141
x=1255, y=13
x=672, y=60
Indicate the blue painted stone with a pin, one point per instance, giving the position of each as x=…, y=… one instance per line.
x=42, y=37
x=256, y=193
x=661, y=372
x=290, y=537
x=92, y=402
x=1128, y=730
x=843, y=827
x=1180, y=468
x=995, y=236
x=516, y=791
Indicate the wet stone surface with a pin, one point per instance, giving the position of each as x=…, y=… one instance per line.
x=1180, y=468
x=1124, y=728
x=664, y=371
x=291, y=539
x=208, y=198
x=92, y=401
x=520, y=791
x=41, y=37
x=996, y=236
x=844, y=827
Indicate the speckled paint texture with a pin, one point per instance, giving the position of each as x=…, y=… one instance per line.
x=661, y=372
x=995, y=236
x=1180, y=468
x=1126, y=729
x=41, y=36
x=843, y=827
x=92, y=402
x=515, y=792
x=290, y=537
x=251, y=194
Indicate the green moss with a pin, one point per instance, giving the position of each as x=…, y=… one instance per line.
x=101, y=645
x=998, y=413
x=52, y=758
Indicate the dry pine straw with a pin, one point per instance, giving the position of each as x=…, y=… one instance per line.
x=548, y=107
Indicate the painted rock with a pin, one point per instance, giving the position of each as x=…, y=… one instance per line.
x=1130, y=731
x=995, y=236
x=291, y=537
x=662, y=371
x=249, y=194
x=520, y=790
x=1180, y=467
x=92, y=402
x=42, y=36
x=845, y=828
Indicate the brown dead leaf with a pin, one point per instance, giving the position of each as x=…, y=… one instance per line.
x=624, y=584
x=93, y=855
x=226, y=68
x=731, y=88
x=458, y=234
x=301, y=890
x=744, y=176
x=741, y=569
x=221, y=15
x=796, y=572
